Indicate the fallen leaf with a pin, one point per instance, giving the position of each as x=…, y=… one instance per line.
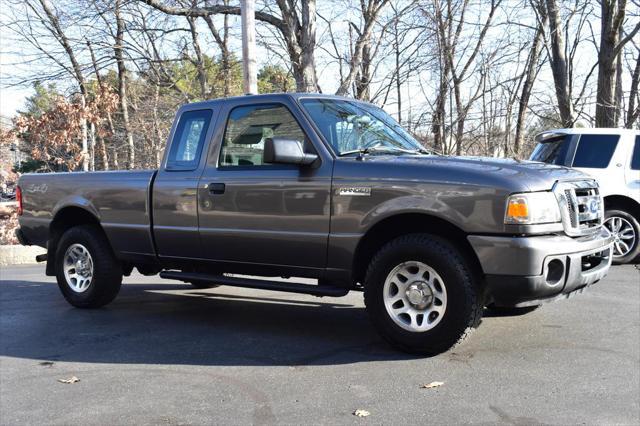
x=69, y=381
x=432, y=385
x=361, y=413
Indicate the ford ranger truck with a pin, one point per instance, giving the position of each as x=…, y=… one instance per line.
x=332, y=189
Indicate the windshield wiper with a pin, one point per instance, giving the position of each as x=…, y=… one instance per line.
x=364, y=151
x=369, y=150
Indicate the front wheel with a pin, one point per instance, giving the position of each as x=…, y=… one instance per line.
x=421, y=294
x=87, y=271
x=626, y=232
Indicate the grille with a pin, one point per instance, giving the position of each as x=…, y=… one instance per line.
x=581, y=206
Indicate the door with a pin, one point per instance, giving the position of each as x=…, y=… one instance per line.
x=174, y=198
x=264, y=214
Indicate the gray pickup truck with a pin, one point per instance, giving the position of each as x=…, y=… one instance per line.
x=333, y=189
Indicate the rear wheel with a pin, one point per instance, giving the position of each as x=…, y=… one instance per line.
x=626, y=232
x=421, y=294
x=87, y=271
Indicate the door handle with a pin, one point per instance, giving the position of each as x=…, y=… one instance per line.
x=216, y=188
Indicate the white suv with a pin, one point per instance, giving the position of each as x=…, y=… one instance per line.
x=612, y=156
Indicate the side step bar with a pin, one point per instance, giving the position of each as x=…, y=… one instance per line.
x=315, y=290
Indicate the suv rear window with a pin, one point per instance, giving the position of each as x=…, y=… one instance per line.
x=595, y=151
x=635, y=158
x=553, y=151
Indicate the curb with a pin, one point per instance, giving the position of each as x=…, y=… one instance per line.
x=19, y=255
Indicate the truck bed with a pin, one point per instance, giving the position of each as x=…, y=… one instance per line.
x=119, y=199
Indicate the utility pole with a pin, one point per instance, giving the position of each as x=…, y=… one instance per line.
x=250, y=74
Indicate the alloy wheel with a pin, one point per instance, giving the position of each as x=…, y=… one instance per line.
x=415, y=296
x=78, y=268
x=623, y=233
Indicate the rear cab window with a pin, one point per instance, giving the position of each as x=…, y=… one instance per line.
x=188, y=140
x=595, y=151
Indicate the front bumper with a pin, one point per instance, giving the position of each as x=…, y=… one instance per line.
x=522, y=271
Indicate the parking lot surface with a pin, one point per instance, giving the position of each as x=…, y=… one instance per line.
x=165, y=353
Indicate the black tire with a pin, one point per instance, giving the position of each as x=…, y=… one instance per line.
x=635, y=250
x=463, y=312
x=107, y=270
x=203, y=284
x=504, y=311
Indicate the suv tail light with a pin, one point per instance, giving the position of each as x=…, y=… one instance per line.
x=19, y=200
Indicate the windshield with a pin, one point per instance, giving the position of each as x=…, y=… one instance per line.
x=553, y=151
x=352, y=127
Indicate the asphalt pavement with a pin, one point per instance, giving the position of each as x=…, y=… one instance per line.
x=165, y=353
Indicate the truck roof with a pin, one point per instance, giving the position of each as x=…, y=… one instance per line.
x=274, y=97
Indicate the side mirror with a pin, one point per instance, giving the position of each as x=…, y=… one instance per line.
x=286, y=151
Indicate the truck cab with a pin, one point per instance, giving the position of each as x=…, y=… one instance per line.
x=612, y=157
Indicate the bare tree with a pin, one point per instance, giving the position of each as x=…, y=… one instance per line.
x=633, y=108
x=199, y=59
x=222, y=40
x=609, y=67
x=296, y=25
x=122, y=81
x=459, y=59
x=560, y=67
x=361, y=57
x=51, y=16
x=531, y=71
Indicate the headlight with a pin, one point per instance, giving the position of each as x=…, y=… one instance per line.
x=532, y=208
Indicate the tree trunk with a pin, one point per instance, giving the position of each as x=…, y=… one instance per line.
x=199, y=61
x=396, y=51
x=610, y=26
x=618, y=93
x=527, y=85
x=103, y=153
x=92, y=151
x=223, y=43
x=460, y=118
x=122, y=84
x=559, y=65
x=101, y=143
x=364, y=76
x=633, y=110
x=84, y=137
x=156, y=127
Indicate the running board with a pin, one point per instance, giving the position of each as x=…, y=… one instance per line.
x=315, y=290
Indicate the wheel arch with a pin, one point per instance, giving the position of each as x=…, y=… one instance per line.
x=64, y=219
x=397, y=225
x=622, y=202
